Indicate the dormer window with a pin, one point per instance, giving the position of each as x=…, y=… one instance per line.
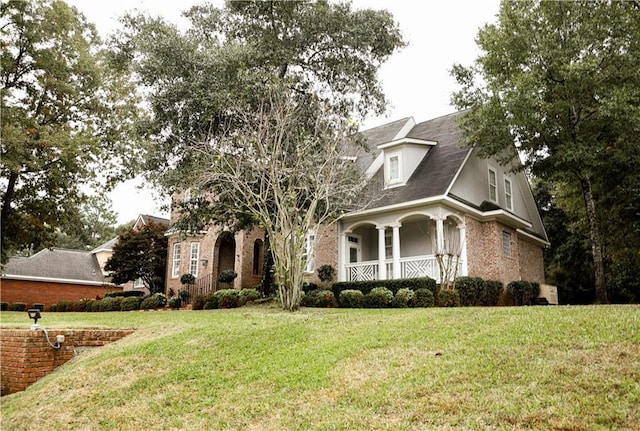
x=394, y=169
x=493, y=185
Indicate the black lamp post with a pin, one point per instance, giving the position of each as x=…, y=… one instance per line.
x=34, y=314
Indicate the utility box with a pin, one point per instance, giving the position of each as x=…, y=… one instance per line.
x=548, y=293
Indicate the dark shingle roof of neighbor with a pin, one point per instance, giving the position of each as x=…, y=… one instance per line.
x=366, y=154
x=436, y=171
x=158, y=220
x=57, y=263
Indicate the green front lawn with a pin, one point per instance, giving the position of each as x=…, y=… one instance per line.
x=564, y=368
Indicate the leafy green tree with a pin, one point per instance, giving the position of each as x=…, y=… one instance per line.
x=95, y=223
x=249, y=107
x=67, y=115
x=560, y=80
x=140, y=254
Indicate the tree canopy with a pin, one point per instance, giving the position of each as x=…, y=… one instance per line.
x=67, y=116
x=560, y=80
x=140, y=254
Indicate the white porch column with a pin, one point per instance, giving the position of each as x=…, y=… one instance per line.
x=463, y=250
x=382, y=266
x=439, y=234
x=396, y=250
x=342, y=256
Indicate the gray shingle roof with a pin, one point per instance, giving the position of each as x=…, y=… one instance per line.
x=437, y=170
x=57, y=263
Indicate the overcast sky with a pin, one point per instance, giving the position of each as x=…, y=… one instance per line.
x=416, y=80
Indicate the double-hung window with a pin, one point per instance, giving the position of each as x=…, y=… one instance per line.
x=194, y=256
x=506, y=244
x=508, y=194
x=493, y=185
x=175, y=261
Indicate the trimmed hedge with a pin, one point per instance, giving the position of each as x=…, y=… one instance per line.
x=4, y=306
x=227, y=298
x=157, y=300
x=175, y=302
x=492, y=291
x=378, y=297
x=422, y=298
x=130, y=303
x=248, y=294
x=393, y=285
x=402, y=298
x=124, y=293
x=351, y=298
x=523, y=292
x=471, y=290
x=198, y=302
x=38, y=306
x=19, y=306
x=448, y=298
x=321, y=298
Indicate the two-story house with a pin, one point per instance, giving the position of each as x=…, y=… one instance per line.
x=436, y=197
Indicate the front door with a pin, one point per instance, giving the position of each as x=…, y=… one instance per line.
x=355, y=248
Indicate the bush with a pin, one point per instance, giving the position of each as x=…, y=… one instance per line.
x=19, y=306
x=157, y=300
x=308, y=287
x=93, y=306
x=4, y=306
x=393, y=285
x=210, y=302
x=422, y=298
x=378, y=297
x=198, y=302
x=402, y=298
x=187, y=279
x=110, y=303
x=470, y=290
x=64, y=306
x=326, y=273
x=491, y=294
x=227, y=298
x=448, y=298
x=53, y=308
x=351, y=298
x=81, y=305
x=184, y=295
x=227, y=276
x=319, y=298
x=130, y=303
x=247, y=295
x=522, y=292
x=38, y=306
x=124, y=293
x=175, y=302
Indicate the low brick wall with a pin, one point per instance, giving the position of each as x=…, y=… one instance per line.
x=25, y=355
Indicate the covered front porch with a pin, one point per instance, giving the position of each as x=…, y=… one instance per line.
x=389, y=247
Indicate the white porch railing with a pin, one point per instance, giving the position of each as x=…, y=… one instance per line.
x=410, y=267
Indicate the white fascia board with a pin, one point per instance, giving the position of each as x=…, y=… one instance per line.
x=375, y=166
x=407, y=141
x=408, y=125
x=455, y=177
x=533, y=238
x=57, y=280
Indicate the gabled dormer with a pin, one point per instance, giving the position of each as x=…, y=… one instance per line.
x=401, y=156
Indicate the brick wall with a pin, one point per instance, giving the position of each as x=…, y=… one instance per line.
x=531, y=261
x=25, y=355
x=326, y=251
x=39, y=292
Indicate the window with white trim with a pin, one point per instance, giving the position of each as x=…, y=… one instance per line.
x=309, y=253
x=388, y=244
x=194, y=256
x=508, y=194
x=175, y=260
x=393, y=169
x=138, y=283
x=493, y=185
x=506, y=244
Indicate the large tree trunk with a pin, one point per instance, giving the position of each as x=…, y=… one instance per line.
x=596, y=241
x=6, y=209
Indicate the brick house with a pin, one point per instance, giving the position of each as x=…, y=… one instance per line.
x=435, y=195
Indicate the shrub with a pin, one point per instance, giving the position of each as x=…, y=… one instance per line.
x=157, y=300
x=110, y=303
x=81, y=305
x=130, y=303
x=393, y=285
x=184, y=295
x=351, y=298
x=38, y=306
x=125, y=293
x=4, y=306
x=470, y=290
x=448, y=298
x=187, y=279
x=93, y=306
x=227, y=298
x=227, y=276
x=53, y=308
x=402, y=298
x=308, y=287
x=247, y=295
x=19, y=306
x=319, y=298
x=64, y=305
x=378, y=297
x=522, y=292
x=491, y=294
x=210, y=302
x=422, y=298
x=198, y=302
x=175, y=302
x=326, y=273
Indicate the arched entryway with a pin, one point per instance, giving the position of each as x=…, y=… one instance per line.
x=226, y=251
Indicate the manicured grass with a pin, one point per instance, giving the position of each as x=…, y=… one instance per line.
x=563, y=368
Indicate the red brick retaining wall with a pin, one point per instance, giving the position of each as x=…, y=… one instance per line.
x=25, y=355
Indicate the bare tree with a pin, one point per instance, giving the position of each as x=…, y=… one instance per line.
x=448, y=257
x=286, y=167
